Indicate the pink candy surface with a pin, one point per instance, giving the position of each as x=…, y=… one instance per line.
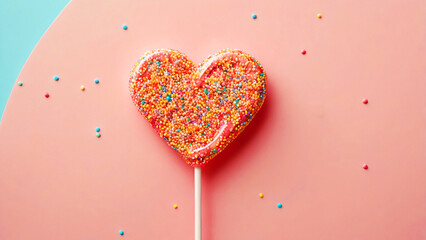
x=198, y=110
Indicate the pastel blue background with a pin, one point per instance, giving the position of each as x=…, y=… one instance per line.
x=22, y=24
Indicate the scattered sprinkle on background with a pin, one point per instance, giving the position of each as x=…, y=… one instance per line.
x=305, y=149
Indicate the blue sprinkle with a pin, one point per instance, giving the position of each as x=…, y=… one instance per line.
x=164, y=89
x=178, y=130
x=206, y=91
x=169, y=98
x=261, y=74
x=254, y=16
x=98, y=129
x=56, y=78
x=279, y=205
x=96, y=81
x=125, y=27
x=121, y=232
x=143, y=102
x=239, y=84
x=181, y=98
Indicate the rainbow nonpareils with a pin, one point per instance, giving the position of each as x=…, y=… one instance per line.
x=198, y=110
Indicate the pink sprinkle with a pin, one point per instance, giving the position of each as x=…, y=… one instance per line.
x=365, y=166
x=303, y=51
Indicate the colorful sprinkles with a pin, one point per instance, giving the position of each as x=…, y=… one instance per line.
x=198, y=110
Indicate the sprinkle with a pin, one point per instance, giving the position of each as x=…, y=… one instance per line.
x=20, y=83
x=280, y=205
x=98, y=135
x=261, y=195
x=125, y=27
x=254, y=16
x=175, y=206
x=365, y=166
x=365, y=101
x=98, y=129
x=303, y=51
x=121, y=232
x=82, y=88
x=96, y=81
x=319, y=15
x=56, y=78
x=46, y=95
x=189, y=113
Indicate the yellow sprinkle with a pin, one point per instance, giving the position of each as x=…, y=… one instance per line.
x=319, y=15
x=175, y=206
x=82, y=88
x=261, y=195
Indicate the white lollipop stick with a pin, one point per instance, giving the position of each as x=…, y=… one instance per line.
x=197, y=193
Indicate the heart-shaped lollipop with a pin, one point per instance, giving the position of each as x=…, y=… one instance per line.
x=200, y=109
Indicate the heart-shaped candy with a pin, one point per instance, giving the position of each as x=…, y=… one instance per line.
x=200, y=109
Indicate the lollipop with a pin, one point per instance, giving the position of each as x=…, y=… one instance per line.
x=198, y=110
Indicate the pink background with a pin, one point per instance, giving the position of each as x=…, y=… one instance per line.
x=305, y=149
